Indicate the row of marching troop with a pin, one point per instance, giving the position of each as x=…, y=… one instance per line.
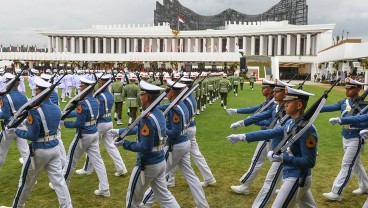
x=289, y=140
x=165, y=129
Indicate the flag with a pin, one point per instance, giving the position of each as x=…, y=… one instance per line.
x=27, y=48
x=216, y=47
x=10, y=48
x=180, y=19
x=164, y=47
x=171, y=49
x=17, y=48
x=1, y=48
x=145, y=48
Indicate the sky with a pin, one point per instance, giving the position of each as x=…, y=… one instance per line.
x=21, y=18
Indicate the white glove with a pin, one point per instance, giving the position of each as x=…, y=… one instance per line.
x=118, y=143
x=234, y=138
x=236, y=125
x=61, y=123
x=231, y=111
x=10, y=131
x=334, y=121
x=273, y=157
x=113, y=132
x=364, y=134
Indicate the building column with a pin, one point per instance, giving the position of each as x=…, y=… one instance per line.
x=261, y=45
x=181, y=49
x=165, y=45
x=173, y=45
x=158, y=45
x=112, y=45
x=72, y=44
x=227, y=49
x=212, y=45
x=279, y=45
x=245, y=44
x=120, y=45
x=65, y=44
x=196, y=45
x=127, y=45
x=298, y=36
x=57, y=41
x=143, y=45
x=204, y=45
x=308, y=45
x=189, y=45
x=220, y=45
x=288, y=44
x=88, y=45
x=253, y=45
x=150, y=45
x=270, y=49
x=80, y=44
x=236, y=45
x=97, y=45
x=49, y=44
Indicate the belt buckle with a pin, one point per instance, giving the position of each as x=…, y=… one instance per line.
x=345, y=126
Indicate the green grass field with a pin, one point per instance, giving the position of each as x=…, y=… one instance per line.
x=228, y=163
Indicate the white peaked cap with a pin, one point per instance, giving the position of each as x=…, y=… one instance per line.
x=293, y=94
x=41, y=83
x=46, y=76
x=149, y=88
x=86, y=81
x=176, y=86
x=9, y=76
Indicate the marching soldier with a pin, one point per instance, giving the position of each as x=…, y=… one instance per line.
x=236, y=84
x=117, y=90
x=298, y=161
x=150, y=167
x=10, y=103
x=241, y=81
x=86, y=139
x=352, y=144
x=178, y=147
x=45, y=153
x=131, y=94
x=21, y=86
x=224, y=86
x=104, y=123
x=252, y=79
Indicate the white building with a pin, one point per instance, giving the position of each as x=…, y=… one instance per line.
x=293, y=48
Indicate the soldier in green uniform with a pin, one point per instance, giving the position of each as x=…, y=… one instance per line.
x=117, y=90
x=236, y=84
x=224, y=87
x=231, y=80
x=252, y=79
x=241, y=81
x=211, y=88
x=131, y=94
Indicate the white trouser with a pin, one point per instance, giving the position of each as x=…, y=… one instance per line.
x=154, y=177
x=62, y=149
x=33, y=92
x=365, y=204
x=351, y=163
x=89, y=144
x=110, y=147
x=63, y=93
x=259, y=156
x=5, y=141
x=291, y=194
x=181, y=158
x=197, y=157
x=48, y=160
x=70, y=89
x=270, y=184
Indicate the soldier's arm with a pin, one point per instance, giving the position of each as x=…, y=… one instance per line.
x=82, y=113
x=146, y=142
x=354, y=119
x=248, y=110
x=5, y=108
x=258, y=117
x=34, y=127
x=333, y=107
x=176, y=120
x=263, y=135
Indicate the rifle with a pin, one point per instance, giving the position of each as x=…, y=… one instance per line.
x=145, y=112
x=22, y=113
x=265, y=105
x=10, y=84
x=106, y=85
x=300, y=87
x=291, y=78
x=304, y=123
x=192, y=89
x=72, y=104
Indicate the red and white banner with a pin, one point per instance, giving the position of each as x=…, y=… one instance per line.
x=10, y=48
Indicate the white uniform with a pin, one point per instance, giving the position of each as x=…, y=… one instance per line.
x=76, y=83
x=32, y=85
x=21, y=86
x=69, y=84
x=62, y=86
x=2, y=82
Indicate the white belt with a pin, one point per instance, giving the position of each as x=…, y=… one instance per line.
x=90, y=123
x=117, y=93
x=106, y=115
x=129, y=98
x=157, y=148
x=210, y=85
x=49, y=138
x=350, y=127
x=184, y=131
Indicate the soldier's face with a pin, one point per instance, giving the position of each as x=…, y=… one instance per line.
x=279, y=95
x=144, y=100
x=292, y=107
x=352, y=92
x=266, y=91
